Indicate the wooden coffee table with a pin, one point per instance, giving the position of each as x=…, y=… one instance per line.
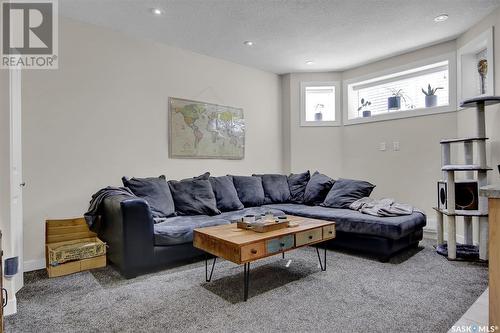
x=242, y=246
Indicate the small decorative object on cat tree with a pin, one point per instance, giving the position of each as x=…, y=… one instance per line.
x=430, y=96
x=482, y=68
x=475, y=171
x=365, y=104
x=318, y=115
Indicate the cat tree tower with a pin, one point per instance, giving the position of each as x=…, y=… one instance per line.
x=461, y=197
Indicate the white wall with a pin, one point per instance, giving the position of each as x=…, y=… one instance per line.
x=103, y=114
x=408, y=175
x=313, y=148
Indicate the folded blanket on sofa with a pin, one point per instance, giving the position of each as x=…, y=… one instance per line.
x=92, y=215
x=382, y=207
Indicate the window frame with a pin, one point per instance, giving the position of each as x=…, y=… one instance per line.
x=302, y=109
x=452, y=88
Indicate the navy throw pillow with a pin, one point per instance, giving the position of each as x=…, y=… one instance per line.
x=225, y=193
x=250, y=190
x=276, y=188
x=193, y=197
x=317, y=188
x=297, y=184
x=155, y=191
x=345, y=191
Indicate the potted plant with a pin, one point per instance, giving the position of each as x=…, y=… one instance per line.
x=364, y=105
x=430, y=96
x=394, y=101
x=318, y=112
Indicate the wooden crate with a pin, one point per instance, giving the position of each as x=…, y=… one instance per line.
x=66, y=232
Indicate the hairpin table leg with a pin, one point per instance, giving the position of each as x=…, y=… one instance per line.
x=207, y=277
x=246, y=280
x=323, y=266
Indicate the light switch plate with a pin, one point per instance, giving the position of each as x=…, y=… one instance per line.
x=395, y=145
x=382, y=146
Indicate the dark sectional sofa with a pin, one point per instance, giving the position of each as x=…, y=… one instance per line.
x=137, y=244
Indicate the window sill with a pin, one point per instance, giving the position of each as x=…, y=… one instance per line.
x=320, y=123
x=401, y=115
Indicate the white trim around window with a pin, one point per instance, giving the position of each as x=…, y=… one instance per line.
x=302, y=109
x=348, y=101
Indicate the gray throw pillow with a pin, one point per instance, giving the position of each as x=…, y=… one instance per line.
x=205, y=176
x=297, y=183
x=276, y=188
x=317, y=188
x=345, y=191
x=250, y=190
x=193, y=197
x=225, y=193
x=155, y=191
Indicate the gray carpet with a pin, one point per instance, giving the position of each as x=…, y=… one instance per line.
x=418, y=291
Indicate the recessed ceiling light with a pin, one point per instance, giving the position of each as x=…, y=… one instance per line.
x=309, y=62
x=248, y=43
x=157, y=11
x=441, y=18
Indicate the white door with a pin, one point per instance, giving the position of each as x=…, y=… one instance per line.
x=15, y=229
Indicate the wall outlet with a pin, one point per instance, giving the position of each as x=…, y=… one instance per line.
x=395, y=145
x=382, y=146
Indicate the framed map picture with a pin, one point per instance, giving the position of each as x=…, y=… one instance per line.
x=203, y=130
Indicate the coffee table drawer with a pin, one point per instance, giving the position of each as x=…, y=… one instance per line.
x=253, y=251
x=280, y=244
x=309, y=236
x=329, y=231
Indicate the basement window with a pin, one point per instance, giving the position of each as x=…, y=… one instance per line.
x=418, y=89
x=320, y=104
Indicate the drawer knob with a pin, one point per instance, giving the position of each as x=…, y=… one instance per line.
x=253, y=251
x=330, y=232
x=310, y=237
x=282, y=244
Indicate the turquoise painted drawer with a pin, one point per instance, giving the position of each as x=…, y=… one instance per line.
x=280, y=244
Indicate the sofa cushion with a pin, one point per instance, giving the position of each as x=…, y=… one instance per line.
x=297, y=183
x=317, y=188
x=205, y=176
x=179, y=229
x=352, y=221
x=257, y=211
x=155, y=191
x=193, y=197
x=225, y=193
x=276, y=188
x=250, y=190
x=345, y=191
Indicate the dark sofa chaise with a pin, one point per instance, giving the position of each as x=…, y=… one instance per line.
x=137, y=244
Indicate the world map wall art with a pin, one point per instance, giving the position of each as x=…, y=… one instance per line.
x=203, y=130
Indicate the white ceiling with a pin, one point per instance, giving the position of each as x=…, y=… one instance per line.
x=335, y=34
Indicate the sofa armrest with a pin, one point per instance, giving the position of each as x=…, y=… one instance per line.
x=127, y=228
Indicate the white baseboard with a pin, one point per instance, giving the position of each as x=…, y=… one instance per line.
x=432, y=234
x=33, y=265
x=11, y=307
